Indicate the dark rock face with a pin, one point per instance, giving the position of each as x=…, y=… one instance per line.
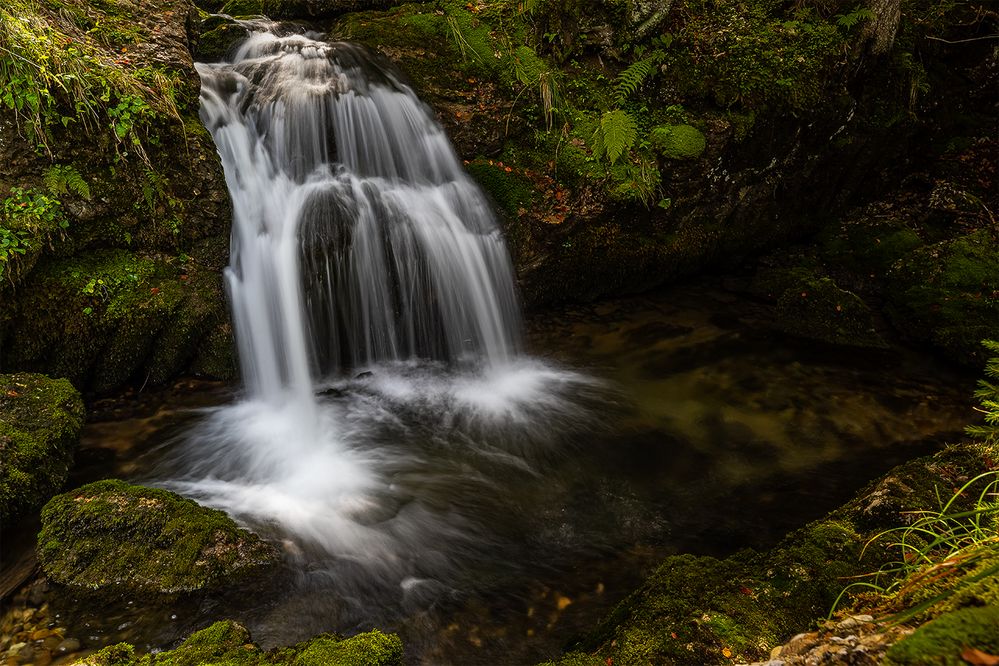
x=40, y=421
x=110, y=537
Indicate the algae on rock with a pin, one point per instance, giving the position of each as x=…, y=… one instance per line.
x=40, y=421
x=110, y=537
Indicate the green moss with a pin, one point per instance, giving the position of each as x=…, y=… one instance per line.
x=218, y=38
x=949, y=292
x=40, y=421
x=508, y=189
x=705, y=610
x=943, y=640
x=678, y=142
x=755, y=56
x=112, y=317
x=246, y=8
x=370, y=649
x=113, y=537
x=228, y=644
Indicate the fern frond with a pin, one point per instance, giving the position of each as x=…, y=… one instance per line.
x=61, y=179
x=634, y=75
x=615, y=135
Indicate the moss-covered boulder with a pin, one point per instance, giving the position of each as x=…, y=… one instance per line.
x=948, y=293
x=40, y=421
x=809, y=304
x=229, y=643
x=705, y=610
x=115, y=316
x=114, y=538
x=218, y=38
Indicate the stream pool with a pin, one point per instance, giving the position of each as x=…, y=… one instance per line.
x=683, y=423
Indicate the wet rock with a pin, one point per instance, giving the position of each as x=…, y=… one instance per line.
x=112, y=537
x=40, y=421
x=68, y=645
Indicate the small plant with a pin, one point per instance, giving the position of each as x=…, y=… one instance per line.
x=939, y=553
x=635, y=74
x=27, y=215
x=61, y=179
x=615, y=134
x=988, y=396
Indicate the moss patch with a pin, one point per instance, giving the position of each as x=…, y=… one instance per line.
x=949, y=293
x=678, y=142
x=943, y=640
x=228, y=644
x=40, y=421
x=113, y=537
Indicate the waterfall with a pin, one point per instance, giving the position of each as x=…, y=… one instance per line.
x=389, y=408
x=357, y=236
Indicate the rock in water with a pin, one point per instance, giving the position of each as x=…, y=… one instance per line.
x=114, y=537
x=40, y=421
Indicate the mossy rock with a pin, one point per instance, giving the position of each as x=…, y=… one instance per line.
x=111, y=318
x=218, y=38
x=228, y=644
x=509, y=190
x=704, y=610
x=40, y=421
x=678, y=142
x=114, y=538
x=948, y=293
x=943, y=640
x=817, y=309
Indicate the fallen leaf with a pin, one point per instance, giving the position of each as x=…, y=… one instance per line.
x=979, y=658
x=726, y=653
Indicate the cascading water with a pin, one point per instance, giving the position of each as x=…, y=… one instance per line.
x=386, y=400
x=358, y=238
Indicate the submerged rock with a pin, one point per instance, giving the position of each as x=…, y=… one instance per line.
x=113, y=537
x=40, y=421
x=229, y=643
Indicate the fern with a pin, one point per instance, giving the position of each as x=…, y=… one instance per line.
x=61, y=179
x=988, y=396
x=615, y=134
x=635, y=74
x=848, y=21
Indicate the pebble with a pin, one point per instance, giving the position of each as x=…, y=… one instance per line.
x=68, y=645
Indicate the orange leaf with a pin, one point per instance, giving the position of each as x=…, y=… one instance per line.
x=726, y=652
x=979, y=658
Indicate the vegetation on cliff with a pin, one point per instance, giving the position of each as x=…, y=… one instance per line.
x=105, y=165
